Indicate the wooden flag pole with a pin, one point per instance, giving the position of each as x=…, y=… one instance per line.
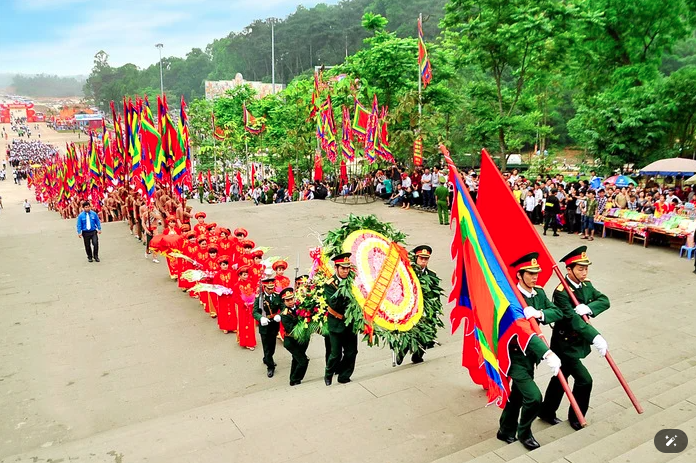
x=610, y=360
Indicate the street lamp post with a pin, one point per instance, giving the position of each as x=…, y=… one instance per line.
x=159, y=46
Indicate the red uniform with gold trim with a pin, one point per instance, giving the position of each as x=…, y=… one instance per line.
x=173, y=263
x=227, y=310
x=246, y=325
x=200, y=229
x=225, y=247
x=210, y=300
x=190, y=250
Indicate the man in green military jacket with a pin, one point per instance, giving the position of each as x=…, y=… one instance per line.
x=344, y=342
x=288, y=318
x=572, y=340
x=525, y=397
x=267, y=308
x=431, y=321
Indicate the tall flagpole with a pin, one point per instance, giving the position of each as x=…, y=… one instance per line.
x=420, y=83
x=273, y=57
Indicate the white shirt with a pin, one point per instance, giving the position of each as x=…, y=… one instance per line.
x=529, y=203
x=426, y=181
x=406, y=182
x=524, y=291
x=435, y=180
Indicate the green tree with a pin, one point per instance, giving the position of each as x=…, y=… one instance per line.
x=511, y=42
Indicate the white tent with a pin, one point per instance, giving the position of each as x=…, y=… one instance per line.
x=672, y=166
x=691, y=180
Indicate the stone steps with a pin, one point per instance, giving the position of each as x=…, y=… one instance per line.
x=617, y=433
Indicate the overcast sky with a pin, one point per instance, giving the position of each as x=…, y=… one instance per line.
x=62, y=36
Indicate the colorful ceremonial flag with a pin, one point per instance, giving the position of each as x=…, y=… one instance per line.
x=218, y=132
x=151, y=140
x=185, y=143
x=251, y=125
x=228, y=185
x=253, y=175
x=315, y=97
x=418, y=151
x=109, y=168
x=210, y=182
x=426, y=72
x=291, y=180
x=382, y=138
x=177, y=146
x=347, y=146
x=94, y=164
x=485, y=298
x=361, y=118
x=500, y=213
x=371, y=135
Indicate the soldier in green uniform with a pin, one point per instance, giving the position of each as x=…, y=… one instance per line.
x=430, y=321
x=572, y=338
x=344, y=342
x=525, y=397
x=267, y=308
x=288, y=318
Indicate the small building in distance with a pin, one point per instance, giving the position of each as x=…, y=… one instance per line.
x=217, y=88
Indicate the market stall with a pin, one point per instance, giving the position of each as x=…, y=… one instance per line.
x=675, y=226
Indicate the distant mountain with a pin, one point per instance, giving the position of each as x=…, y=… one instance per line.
x=44, y=85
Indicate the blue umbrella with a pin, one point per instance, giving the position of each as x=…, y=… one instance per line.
x=620, y=181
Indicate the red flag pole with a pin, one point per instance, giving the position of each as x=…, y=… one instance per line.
x=610, y=359
x=533, y=323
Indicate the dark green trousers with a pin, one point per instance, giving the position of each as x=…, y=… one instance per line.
x=268, y=342
x=300, y=361
x=582, y=388
x=344, y=351
x=327, y=348
x=523, y=404
x=443, y=212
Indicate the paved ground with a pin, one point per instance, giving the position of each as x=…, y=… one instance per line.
x=109, y=362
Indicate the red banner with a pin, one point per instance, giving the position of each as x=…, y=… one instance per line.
x=418, y=152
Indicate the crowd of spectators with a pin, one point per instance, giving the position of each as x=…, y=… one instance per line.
x=575, y=206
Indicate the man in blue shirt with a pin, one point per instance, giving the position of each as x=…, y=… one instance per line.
x=88, y=226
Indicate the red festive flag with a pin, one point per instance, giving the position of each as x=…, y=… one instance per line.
x=253, y=175
x=501, y=213
x=418, y=151
x=228, y=185
x=318, y=169
x=210, y=182
x=239, y=182
x=344, y=173
x=291, y=180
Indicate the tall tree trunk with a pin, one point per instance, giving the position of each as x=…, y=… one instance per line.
x=503, y=155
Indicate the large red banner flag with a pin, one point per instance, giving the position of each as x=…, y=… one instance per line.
x=508, y=226
x=291, y=180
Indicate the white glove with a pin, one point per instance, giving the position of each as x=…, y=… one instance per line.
x=582, y=309
x=600, y=344
x=276, y=319
x=553, y=362
x=531, y=312
x=264, y=321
